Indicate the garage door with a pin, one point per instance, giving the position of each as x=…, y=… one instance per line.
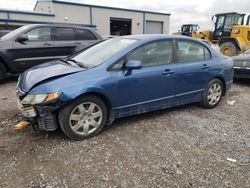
x=154, y=27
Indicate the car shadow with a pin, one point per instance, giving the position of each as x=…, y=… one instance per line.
x=127, y=121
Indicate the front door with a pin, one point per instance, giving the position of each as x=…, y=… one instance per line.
x=37, y=49
x=150, y=88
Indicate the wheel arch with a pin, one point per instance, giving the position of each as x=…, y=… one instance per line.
x=223, y=82
x=105, y=99
x=3, y=61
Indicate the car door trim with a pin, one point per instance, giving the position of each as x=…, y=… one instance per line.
x=190, y=92
x=145, y=102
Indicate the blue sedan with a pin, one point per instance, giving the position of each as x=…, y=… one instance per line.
x=122, y=77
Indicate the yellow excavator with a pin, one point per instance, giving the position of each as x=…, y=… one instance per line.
x=231, y=32
x=188, y=30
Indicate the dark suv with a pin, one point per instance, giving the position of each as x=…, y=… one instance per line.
x=33, y=44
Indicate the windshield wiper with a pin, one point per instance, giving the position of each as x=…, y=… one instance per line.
x=78, y=63
x=65, y=61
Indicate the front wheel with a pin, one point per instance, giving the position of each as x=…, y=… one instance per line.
x=83, y=118
x=2, y=72
x=213, y=94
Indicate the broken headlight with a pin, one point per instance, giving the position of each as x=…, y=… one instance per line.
x=40, y=98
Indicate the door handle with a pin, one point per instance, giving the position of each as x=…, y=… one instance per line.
x=205, y=66
x=168, y=72
x=77, y=43
x=47, y=44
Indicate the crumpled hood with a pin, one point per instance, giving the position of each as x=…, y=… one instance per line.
x=52, y=69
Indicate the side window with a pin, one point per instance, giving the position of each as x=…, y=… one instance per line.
x=153, y=54
x=64, y=34
x=191, y=51
x=83, y=34
x=39, y=34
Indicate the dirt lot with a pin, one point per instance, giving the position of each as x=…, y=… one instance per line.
x=181, y=147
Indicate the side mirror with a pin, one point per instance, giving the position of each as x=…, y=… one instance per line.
x=22, y=38
x=133, y=64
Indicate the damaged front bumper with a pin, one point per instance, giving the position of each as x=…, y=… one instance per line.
x=42, y=118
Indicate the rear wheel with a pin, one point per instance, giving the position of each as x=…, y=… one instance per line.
x=83, y=118
x=213, y=94
x=2, y=72
x=228, y=49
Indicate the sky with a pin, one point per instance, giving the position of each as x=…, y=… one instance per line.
x=189, y=11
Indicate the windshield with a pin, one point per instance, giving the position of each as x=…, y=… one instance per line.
x=101, y=52
x=13, y=33
x=227, y=21
x=189, y=28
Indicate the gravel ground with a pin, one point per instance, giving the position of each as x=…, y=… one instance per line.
x=181, y=147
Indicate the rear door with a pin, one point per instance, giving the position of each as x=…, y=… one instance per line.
x=85, y=38
x=192, y=71
x=37, y=49
x=65, y=41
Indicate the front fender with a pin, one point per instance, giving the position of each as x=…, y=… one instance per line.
x=69, y=96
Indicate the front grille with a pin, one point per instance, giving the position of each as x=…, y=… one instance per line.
x=47, y=123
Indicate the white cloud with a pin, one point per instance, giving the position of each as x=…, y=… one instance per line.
x=18, y=4
x=191, y=11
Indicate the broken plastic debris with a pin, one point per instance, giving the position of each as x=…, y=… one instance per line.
x=232, y=160
x=230, y=102
x=21, y=125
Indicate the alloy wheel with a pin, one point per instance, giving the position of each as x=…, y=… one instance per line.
x=85, y=118
x=214, y=93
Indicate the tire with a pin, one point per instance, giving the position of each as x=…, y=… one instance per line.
x=83, y=118
x=228, y=49
x=210, y=99
x=2, y=72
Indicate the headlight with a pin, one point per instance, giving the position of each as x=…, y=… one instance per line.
x=40, y=98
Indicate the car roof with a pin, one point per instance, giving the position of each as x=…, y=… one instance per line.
x=59, y=25
x=157, y=36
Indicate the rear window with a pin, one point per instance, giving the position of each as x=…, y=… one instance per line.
x=83, y=34
x=189, y=51
x=64, y=34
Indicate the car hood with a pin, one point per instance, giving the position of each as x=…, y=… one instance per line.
x=40, y=73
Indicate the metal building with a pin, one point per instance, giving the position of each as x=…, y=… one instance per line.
x=107, y=20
